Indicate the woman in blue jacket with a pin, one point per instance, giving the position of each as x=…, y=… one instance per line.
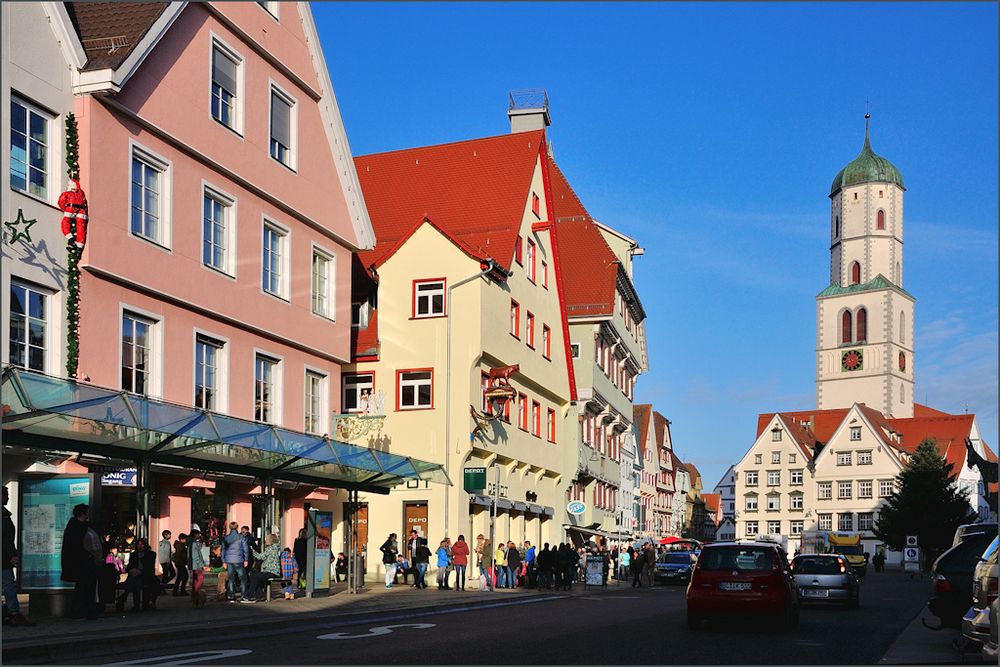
x=443, y=563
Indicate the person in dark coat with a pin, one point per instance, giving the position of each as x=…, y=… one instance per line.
x=636, y=564
x=11, y=609
x=142, y=581
x=513, y=563
x=299, y=549
x=81, y=559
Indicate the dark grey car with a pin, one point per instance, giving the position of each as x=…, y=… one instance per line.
x=826, y=578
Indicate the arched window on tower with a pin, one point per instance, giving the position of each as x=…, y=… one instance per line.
x=880, y=220
x=902, y=327
x=899, y=275
x=836, y=226
x=862, y=325
x=855, y=273
x=845, y=327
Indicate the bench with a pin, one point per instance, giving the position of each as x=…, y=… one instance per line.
x=274, y=587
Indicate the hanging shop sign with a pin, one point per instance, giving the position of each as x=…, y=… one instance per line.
x=46, y=507
x=576, y=507
x=475, y=480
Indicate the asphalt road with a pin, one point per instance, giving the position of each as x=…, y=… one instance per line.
x=644, y=626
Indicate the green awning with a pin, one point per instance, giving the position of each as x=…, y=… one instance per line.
x=50, y=413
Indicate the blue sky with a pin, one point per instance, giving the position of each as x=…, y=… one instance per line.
x=711, y=133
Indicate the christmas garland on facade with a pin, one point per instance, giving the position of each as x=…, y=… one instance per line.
x=73, y=259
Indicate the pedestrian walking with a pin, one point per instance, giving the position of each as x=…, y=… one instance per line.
x=389, y=549
x=443, y=554
x=164, y=553
x=624, y=562
x=180, y=563
x=878, y=560
x=421, y=560
x=485, y=551
x=82, y=557
x=197, y=569
x=460, y=557
x=11, y=608
x=289, y=572
x=234, y=561
x=636, y=564
x=649, y=564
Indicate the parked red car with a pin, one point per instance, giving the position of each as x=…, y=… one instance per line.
x=742, y=578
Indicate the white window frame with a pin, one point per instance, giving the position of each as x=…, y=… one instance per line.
x=750, y=504
x=229, y=204
x=154, y=381
x=855, y=433
x=773, y=502
x=750, y=478
x=416, y=384
x=164, y=168
x=848, y=525
x=214, y=43
x=429, y=293
x=824, y=521
x=795, y=527
x=758, y=459
x=776, y=457
x=774, y=527
x=49, y=319
x=271, y=7
x=285, y=234
x=773, y=477
x=845, y=489
x=53, y=154
x=331, y=282
x=865, y=457
x=865, y=489
x=824, y=490
x=751, y=529
x=795, y=477
x=274, y=88
x=362, y=321
x=883, y=484
x=796, y=501
x=775, y=437
x=531, y=260
x=321, y=398
x=870, y=520
x=844, y=458
x=356, y=388
x=277, y=390
x=221, y=370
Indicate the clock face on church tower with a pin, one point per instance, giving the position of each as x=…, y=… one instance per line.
x=851, y=360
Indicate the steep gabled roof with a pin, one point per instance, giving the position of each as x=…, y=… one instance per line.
x=590, y=267
x=660, y=424
x=110, y=31
x=801, y=435
x=695, y=475
x=712, y=501
x=824, y=422
x=641, y=413
x=473, y=191
x=948, y=432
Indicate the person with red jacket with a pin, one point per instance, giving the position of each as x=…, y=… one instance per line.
x=460, y=554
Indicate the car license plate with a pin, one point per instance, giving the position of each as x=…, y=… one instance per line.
x=815, y=593
x=735, y=585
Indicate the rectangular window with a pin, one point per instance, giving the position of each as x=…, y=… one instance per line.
x=531, y=260
x=529, y=325
x=776, y=457
x=273, y=260
x=796, y=477
x=29, y=148
x=207, y=362
x=515, y=319
x=776, y=437
x=773, y=477
x=545, y=274
x=758, y=458
x=825, y=521
x=843, y=458
x=791, y=458
x=314, y=399
x=865, y=458
x=845, y=521
x=855, y=433
x=844, y=490
x=216, y=229
x=751, y=503
x=795, y=501
x=865, y=488
x=546, y=341
x=536, y=419
x=751, y=477
x=428, y=298
x=415, y=390
x=146, y=188
x=484, y=384
x=885, y=488
x=774, y=527
x=265, y=389
x=536, y=205
x=136, y=353
x=774, y=502
x=574, y=350
x=866, y=521
x=28, y=327
x=550, y=424
x=356, y=390
x=825, y=490
x=281, y=127
x=225, y=86
x=519, y=250
x=322, y=284
x=751, y=528
x=796, y=527
x=359, y=315
x=522, y=412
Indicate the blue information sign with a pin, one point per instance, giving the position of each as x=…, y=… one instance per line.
x=46, y=507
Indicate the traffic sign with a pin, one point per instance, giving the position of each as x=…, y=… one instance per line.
x=911, y=540
x=911, y=554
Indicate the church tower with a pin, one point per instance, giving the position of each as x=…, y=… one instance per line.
x=864, y=319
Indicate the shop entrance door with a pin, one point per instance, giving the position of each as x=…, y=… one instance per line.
x=414, y=518
x=361, y=521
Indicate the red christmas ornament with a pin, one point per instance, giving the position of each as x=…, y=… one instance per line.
x=73, y=204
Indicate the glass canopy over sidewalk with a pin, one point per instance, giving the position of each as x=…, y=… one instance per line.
x=47, y=413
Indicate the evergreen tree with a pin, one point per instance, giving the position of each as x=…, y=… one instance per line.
x=927, y=504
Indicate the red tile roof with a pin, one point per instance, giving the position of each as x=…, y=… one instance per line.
x=948, y=432
x=712, y=501
x=640, y=416
x=802, y=435
x=695, y=475
x=102, y=25
x=590, y=268
x=660, y=424
x=473, y=191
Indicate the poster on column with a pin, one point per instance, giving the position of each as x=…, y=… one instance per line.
x=324, y=531
x=46, y=507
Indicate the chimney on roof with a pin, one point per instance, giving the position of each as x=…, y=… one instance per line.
x=528, y=109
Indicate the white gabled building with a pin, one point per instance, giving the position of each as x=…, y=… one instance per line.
x=726, y=488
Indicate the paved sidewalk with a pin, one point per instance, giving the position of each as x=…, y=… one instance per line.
x=176, y=617
x=919, y=645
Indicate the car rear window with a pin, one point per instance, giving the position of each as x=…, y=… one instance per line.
x=816, y=565
x=677, y=559
x=964, y=557
x=747, y=559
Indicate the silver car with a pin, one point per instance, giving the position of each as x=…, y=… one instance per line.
x=826, y=578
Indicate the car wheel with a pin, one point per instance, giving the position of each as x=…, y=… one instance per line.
x=694, y=620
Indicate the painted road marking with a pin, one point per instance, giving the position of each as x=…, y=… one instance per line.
x=186, y=658
x=377, y=630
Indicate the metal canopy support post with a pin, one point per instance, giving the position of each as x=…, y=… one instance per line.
x=142, y=487
x=493, y=523
x=268, y=488
x=311, y=552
